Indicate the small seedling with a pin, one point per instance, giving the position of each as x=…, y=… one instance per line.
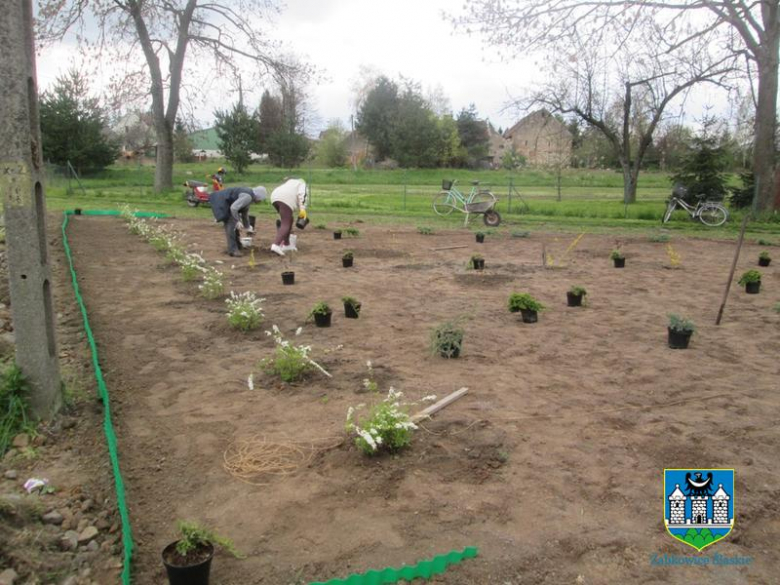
x=351, y=232
x=763, y=242
x=521, y=234
x=764, y=256
x=290, y=361
x=680, y=324
x=368, y=382
x=578, y=291
x=424, y=230
x=348, y=255
x=616, y=255
x=524, y=302
x=320, y=226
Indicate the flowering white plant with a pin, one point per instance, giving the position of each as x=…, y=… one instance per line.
x=245, y=310
x=213, y=284
x=191, y=266
x=290, y=361
x=388, y=426
x=369, y=383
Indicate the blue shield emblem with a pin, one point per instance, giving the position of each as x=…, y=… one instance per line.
x=699, y=505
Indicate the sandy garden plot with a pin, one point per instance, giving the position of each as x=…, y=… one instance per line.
x=552, y=464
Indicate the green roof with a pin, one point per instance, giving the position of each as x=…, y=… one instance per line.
x=205, y=139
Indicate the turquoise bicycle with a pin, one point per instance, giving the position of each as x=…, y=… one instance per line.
x=479, y=201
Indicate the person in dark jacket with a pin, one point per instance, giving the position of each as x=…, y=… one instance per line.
x=231, y=207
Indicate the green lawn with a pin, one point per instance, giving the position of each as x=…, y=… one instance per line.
x=590, y=199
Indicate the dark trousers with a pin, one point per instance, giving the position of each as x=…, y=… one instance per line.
x=231, y=235
x=284, y=229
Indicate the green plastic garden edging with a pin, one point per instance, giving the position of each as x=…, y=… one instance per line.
x=422, y=570
x=108, y=427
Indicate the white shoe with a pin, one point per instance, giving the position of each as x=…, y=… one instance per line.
x=289, y=249
x=277, y=249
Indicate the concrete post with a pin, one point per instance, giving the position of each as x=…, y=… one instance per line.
x=21, y=187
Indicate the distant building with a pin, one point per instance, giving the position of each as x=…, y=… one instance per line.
x=205, y=144
x=542, y=139
x=497, y=146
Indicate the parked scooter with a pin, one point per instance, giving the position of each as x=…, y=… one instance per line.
x=197, y=191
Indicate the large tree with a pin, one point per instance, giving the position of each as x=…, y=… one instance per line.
x=474, y=135
x=73, y=125
x=377, y=115
x=237, y=133
x=167, y=31
x=738, y=27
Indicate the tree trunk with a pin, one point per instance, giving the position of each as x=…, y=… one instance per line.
x=163, y=173
x=629, y=183
x=764, y=144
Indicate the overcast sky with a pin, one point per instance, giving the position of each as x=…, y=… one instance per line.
x=407, y=38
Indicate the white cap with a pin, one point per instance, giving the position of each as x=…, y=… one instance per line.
x=260, y=193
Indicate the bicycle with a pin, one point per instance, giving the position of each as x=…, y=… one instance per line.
x=479, y=201
x=710, y=213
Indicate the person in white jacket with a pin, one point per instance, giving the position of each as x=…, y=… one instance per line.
x=288, y=198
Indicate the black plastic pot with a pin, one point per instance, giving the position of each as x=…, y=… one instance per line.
x=302, y=222
x=480, y=238
x=197, y=574
x=529, y=316
x=336, y=235
x=679, y=339
x=288, y=278
x=77, y=211
x=352, y=311
x=619, y=262
x=478, y=264
x=347, y=262
x=573, y=300
x=322, y=319
x=752, y=288
x=764, y=261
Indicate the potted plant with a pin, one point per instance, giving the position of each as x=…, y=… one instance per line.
x=447, y=340
x=752, y=281
x=480, y=237
x=188, y=560
x=337, y=235
x=618, y=258
x=528, y=306
x=288, y=277
x=351, y=307
x=680, y=331
x=764, y=259
x=477, y=262
x=575, y=295
x=347, y=258
x=321, y=313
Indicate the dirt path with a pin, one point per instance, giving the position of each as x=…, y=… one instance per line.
x=552, y=466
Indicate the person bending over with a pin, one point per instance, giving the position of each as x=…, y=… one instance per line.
x=288, y=198
x=231, y=207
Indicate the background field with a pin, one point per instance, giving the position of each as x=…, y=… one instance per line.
x=590, y=199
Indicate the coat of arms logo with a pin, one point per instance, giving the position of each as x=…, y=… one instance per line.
x=699, y=505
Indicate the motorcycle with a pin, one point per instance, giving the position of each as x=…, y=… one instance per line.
x=197, y=191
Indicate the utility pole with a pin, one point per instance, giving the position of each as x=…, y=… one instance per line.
x=24, y=205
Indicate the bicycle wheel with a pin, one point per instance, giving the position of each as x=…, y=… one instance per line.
x=669, y=210
x=443, y=203
x=713, y=215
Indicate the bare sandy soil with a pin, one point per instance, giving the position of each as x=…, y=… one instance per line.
x=552, y=464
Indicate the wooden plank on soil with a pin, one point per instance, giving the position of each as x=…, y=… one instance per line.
x=447, y=248
x=436, y=407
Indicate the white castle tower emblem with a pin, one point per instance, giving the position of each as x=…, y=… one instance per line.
x=706, y=510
